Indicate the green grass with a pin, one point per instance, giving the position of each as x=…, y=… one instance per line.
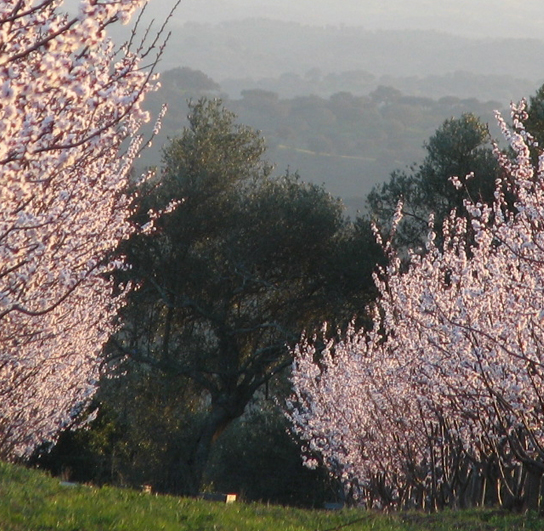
x=32, y=501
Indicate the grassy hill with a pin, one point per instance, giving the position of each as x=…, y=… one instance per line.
x=30, y=500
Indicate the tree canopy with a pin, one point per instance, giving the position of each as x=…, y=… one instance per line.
x=233, y=275
x=461, y=147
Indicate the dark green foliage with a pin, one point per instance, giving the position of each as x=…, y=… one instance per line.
x=348, y=270
x=143, y=420
x=258, y=459
x=459, y=147
x=227, y=282
x=534, y=123
x=83, y=455
x=535, y=120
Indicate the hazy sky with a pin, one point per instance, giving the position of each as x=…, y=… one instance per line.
x=479, y=18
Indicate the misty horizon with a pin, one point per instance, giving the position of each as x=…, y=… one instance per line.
x=495, y=19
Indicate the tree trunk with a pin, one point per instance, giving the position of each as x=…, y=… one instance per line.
x=216, y=422
x=531, y=488
x=188, y=469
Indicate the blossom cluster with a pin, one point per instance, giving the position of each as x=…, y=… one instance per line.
x=452, y=373
x=70, y=104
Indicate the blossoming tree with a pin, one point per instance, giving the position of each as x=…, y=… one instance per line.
x=69, y=102
x=442, y=403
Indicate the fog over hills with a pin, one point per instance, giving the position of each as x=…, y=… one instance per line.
x=485, y=18
x=481, y=18
x=443, y=58
x=255, y=41
x=260, y=48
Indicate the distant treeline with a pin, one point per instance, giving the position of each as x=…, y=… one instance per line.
x=347, y=142
x=257, y=49
x=461, y=84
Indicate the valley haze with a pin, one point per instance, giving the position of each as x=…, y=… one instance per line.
x=485, y=53
x=481, y=19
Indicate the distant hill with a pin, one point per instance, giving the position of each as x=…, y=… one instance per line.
x=265, y=48
x=487, y=18
x=319, y=103
x=464, y=85
x=345, y=141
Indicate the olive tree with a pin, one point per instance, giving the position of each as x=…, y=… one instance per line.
x=230, y=278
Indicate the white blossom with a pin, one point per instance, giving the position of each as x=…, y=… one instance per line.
x=456, y=352
x=65, y=94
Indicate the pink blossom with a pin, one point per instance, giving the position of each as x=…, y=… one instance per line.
x=63, y=103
